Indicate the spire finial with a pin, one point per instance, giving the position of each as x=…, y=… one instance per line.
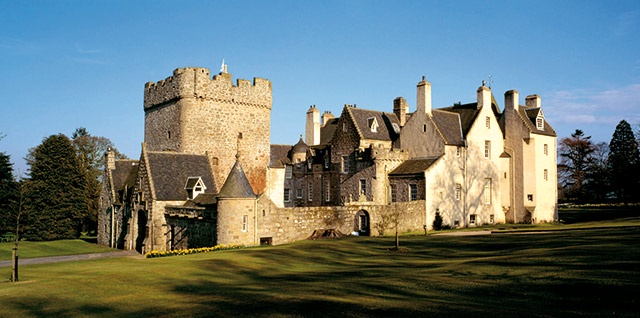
x=223, y=67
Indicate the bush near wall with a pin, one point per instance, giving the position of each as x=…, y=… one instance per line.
x=221, y=247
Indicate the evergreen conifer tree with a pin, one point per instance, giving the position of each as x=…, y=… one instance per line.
x=56, y=190
x=624, y=163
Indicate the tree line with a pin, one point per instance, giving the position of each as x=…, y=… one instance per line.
x=59, y=196
x=600, y=172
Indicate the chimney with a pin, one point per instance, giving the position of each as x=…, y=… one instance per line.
x=511, y=99
x=400, y=108
x=423, y=99
x=313, y=126
x=533, y=101
x=326, y=117
x=111, y=159
x=484, y=96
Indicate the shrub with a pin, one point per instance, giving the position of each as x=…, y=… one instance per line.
x=221, y=247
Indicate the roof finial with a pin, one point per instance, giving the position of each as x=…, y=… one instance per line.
x=223, y=67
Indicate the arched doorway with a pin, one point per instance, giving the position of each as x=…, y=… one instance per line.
x=142, y=230
x=361, y=223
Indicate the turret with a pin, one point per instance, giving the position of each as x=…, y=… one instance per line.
x=423, y=99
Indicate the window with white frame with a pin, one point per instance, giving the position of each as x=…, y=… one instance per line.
x=345, y=164
x=310, y=191
x=540, y=123
x=327, y=190
x=458, y=192
x=487, y=122
x=245, y=223
x=394, y=192
x=299, y=193
x=487, y=191
x=363, y=186
x=413, y=192
x=288, y=172
x=287, y=195
x=487, y=149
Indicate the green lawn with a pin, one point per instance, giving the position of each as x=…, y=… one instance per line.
x=591, y=271
x=53, y=248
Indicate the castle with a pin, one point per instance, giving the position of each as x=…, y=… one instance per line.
x=207, y=173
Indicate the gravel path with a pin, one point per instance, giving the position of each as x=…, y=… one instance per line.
x=71, y=258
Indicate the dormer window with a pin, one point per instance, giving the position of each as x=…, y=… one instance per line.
x=373, y=124
x=194, y=187
x=540, y=122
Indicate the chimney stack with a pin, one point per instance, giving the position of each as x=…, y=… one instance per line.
x=326, y=117
x=533, y=101
x=423, y=99
x=511, y=99
x=484, y=96
x=312, y=137
x=400, y=108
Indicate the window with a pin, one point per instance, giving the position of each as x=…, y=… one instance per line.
x=327, y=190
x=458, y=193
x=287, y=195
x=458, y=151
x=487, y=122
x=169, y=134
x=310, y=192
x=546, y=149
x=472, y=219
x=491, y=219
x=245, y=222
x=413, y=192
x=288, y=172
x=487, y=149
x=345, y=164
x=394, y=191
x=299, y=193
x=424, y=128
x=546, y=174
x=363, y=186
x=345, y=127
x=487, y=191
x=373, y=124
x=530, y=197
x=540, y=123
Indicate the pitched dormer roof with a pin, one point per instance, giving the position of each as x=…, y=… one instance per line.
x=363, y=119
x=529, y=116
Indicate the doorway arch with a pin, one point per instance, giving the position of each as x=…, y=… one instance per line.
x=362, y=224
x=142, y=230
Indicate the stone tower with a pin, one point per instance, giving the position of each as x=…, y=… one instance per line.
x=190, y=112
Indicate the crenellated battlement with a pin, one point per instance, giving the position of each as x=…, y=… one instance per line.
x=195, y=82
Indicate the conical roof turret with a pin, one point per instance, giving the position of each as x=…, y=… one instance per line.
x=237, y=185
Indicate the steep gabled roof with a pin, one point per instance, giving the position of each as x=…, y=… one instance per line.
x=467, y=113
x=413, y=166
x=123, y=176
x=170, y=170
x=279, y=156
x=237, y=185
x=362, y=118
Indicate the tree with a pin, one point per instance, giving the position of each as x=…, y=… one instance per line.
x=56, y=190
x=90, y=151
x=597, y=185
x=575, y=156
x=624, y=162
x=8, y=188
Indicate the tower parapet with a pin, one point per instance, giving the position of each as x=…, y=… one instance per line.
x=197, y=82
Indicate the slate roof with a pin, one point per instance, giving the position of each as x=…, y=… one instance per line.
x=237, y=185
x=327, y=131
x=170, y=171
x=300, y=147
x=467, y=113
x=125, y=173
x=385, y=130
x=279, y=156
x=413, y=166
x=449, y=125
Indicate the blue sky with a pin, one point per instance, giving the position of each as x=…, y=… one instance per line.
x=69, y=64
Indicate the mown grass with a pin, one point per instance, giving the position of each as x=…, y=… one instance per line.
x=590, y=272
x=28, y=249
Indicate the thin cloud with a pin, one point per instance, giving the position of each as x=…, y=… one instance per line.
x=19, y=46
x=82, y=50
x=584, y=106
